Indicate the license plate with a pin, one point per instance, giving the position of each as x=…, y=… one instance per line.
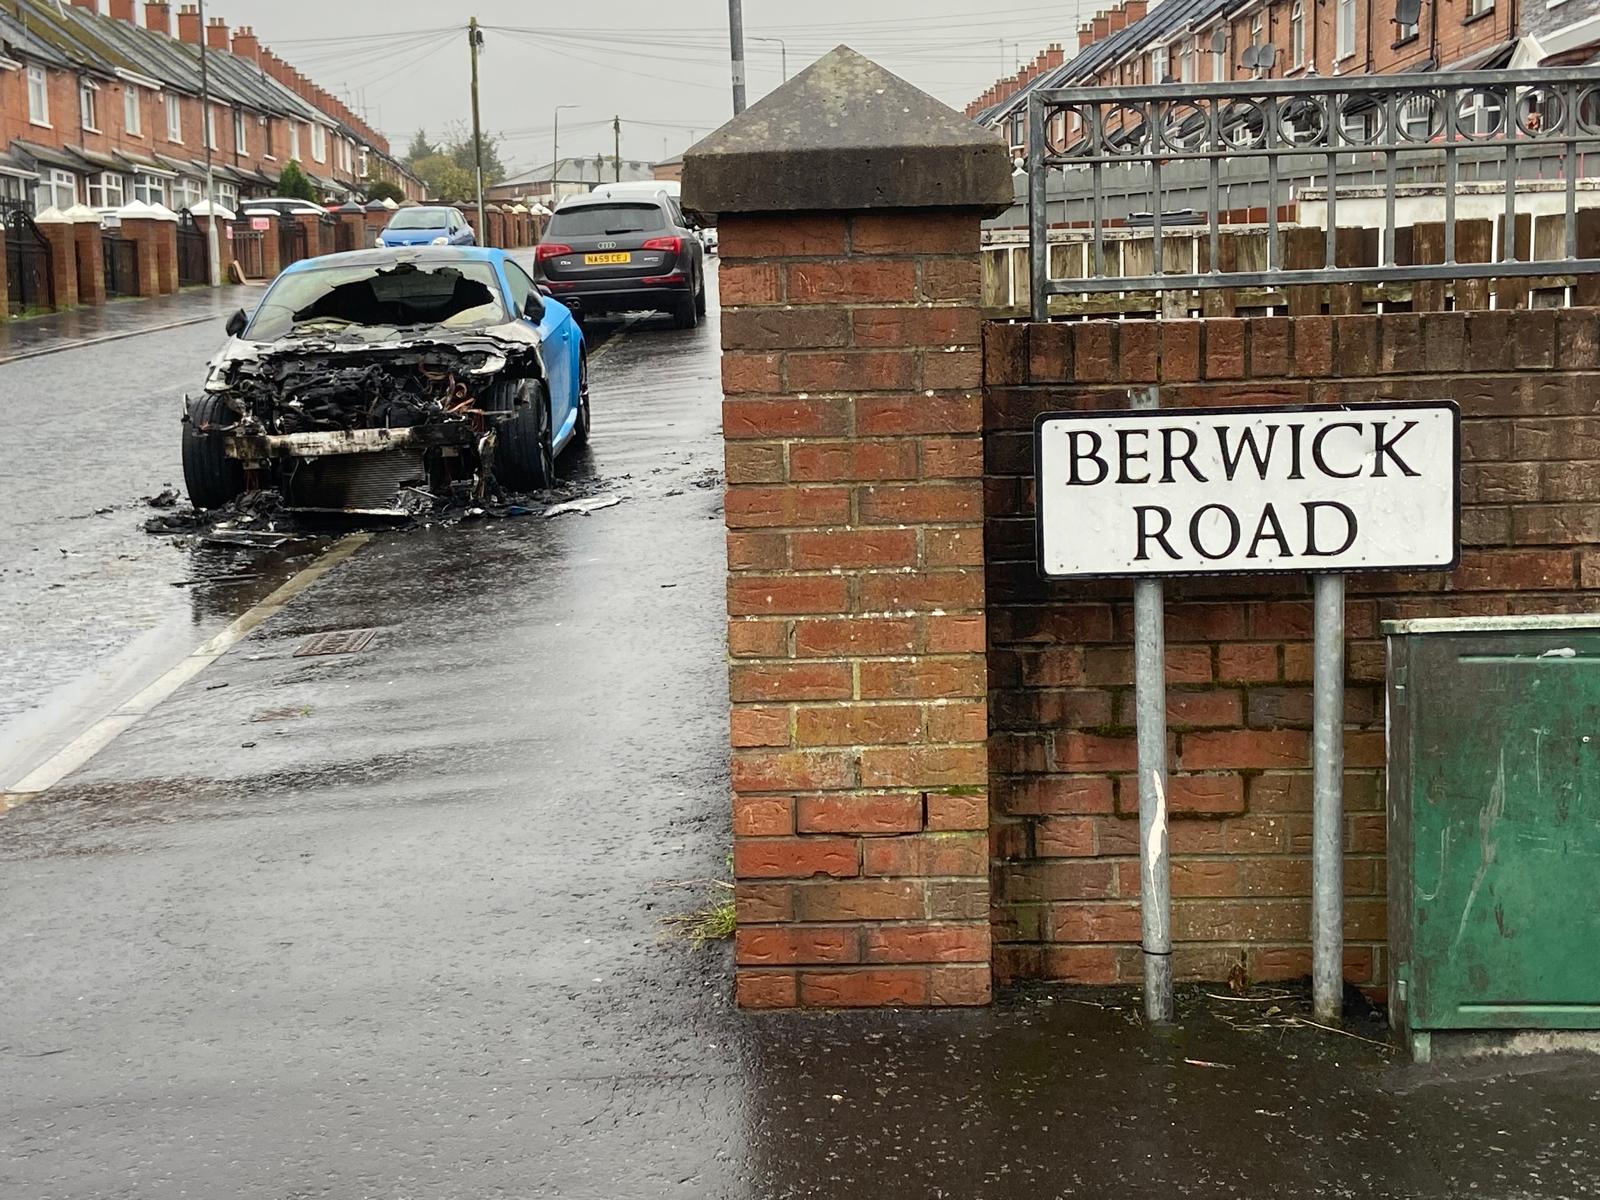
x=606, y=260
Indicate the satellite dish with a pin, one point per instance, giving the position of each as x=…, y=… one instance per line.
x=1266, y=56
x=1407, y=12
x=1219, y=39
x=1248, y=58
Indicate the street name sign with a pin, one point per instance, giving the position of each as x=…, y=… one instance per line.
x=1248, y=490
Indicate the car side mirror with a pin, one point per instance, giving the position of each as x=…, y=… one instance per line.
x=238, y=323
x=534, y=308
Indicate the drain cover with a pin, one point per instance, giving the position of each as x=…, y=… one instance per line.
x=339, y=641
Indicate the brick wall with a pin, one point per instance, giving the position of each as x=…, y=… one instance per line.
x=855, y=596
x=1061, y=748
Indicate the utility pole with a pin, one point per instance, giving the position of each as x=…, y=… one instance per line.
x=475, y=40
x=555, y=154
x=213, y=251
x=616, y=148
x=736, y=45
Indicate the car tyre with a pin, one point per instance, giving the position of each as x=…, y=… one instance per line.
x=686, y=313
x=581, y=432
x=524, y=448
x=213, y=479
x=700, y=299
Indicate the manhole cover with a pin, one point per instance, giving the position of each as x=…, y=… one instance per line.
x=339, y=641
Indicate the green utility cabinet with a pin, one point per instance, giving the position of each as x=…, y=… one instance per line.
x=1494, y=825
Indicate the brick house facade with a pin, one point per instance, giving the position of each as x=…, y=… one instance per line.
x=102, y=109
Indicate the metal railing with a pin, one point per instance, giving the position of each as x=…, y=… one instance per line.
x=1489, y=129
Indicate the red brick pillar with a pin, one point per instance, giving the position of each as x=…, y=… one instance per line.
x=91, y=259
x=312, y=224
x=164, y=232
x=144, y=233
x=60, y=233
x=271, y=244
x=355, y=223
x=853, y=419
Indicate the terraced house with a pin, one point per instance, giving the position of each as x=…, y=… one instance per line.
x=104, y=108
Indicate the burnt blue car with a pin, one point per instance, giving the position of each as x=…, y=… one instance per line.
x=427, y=226
x=366, y=380
x=625, y=254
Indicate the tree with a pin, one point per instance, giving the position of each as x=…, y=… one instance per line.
x=382, y=189
x=459, y=148
x=294, y=184
x=421, y=147
x=444, y=179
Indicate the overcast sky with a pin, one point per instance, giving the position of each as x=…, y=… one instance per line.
x=662, y=65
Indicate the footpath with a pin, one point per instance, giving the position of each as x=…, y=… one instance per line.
x=119, y=319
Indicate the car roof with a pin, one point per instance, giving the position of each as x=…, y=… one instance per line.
x=595, y=201
x=421, y=255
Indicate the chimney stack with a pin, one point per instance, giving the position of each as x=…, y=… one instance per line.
x=1136, y=10
x=189, y=24
x=1085, y=37
x=246, y=45
x=158, y=17
x=1118, y=18
x=92, y=5
x=122, y=10
x=217, y=34
x=1102, y=27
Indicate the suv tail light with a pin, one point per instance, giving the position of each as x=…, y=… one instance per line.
x=550, y=250
x=673, y=245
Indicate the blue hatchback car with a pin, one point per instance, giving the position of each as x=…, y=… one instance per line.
x=365, y=382
x=428, y=225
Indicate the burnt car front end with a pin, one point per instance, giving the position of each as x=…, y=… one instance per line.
x=352, y=404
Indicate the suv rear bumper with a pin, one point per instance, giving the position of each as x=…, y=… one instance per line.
x=622, y=295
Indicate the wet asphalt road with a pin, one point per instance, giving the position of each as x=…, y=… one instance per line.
x=390, y=925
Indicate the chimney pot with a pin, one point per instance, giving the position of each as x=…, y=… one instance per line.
x=189, y=31
x=246, y=45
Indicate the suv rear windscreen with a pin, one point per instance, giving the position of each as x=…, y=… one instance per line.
x=601, y=220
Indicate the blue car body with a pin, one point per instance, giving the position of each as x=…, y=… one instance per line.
x=276, y=399
x=451, y=229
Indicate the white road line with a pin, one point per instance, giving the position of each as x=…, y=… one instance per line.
x=106, y=730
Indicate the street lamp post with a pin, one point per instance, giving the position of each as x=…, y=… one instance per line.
x=213, y=251
x=555, y=150
x=783, y=48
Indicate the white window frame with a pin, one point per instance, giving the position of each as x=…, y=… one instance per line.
x=88, y=108
x=228, y=195
x=294, y=140
x=38, y=97
x=1219, y=59
x=174, y=107
x=1186, y=61
x=1478, y=8
x=1344, y=24
x=150, y=189
x=106, y=189
x=364, y=164
x=268, y=144
x=241, y=133
x=1155, y=66
x=1297, y=33
x=132, y=111
x=187, y=192
x=319, y=143
x=47, y=190
x=209, y=133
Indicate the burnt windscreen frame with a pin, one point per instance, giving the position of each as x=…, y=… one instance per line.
x=607, y=220
x=406, y=295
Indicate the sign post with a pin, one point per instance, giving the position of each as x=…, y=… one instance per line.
x=1151, y=493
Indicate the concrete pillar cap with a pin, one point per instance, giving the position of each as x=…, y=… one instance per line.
x=136, y=210
x=161, y=212
x=52, y=216
x=207, y=209
x=81, y=214
x=846, y=134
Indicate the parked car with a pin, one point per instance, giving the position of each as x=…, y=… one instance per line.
x=602, y=254
x=363, y=377
x=427, y=226
x=269, y=206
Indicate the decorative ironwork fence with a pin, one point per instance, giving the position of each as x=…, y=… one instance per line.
x=250, y=251
x=327, y=234
x=292, y=240
x=30, y=273
x=1441, y=146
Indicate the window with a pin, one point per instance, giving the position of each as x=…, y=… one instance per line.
x=211, y=127
x=1476, y=8
x=58, y=189
x=319, y=143
x=1345, y=33
x=1297, y=34
x=294, y=141
x=1155, y=67
x=1219, y=56
x=105, y=190
x=1186, y=62
x=1417, y=118
x=38, y=97
x=86, y=106
x=598, y=220
x=12, y=189
x=187, y=192
x=241, y=139
x=518, y=288
x=364, y=164
x=132, y=118
x=150, y=189
x=228, y=194
x=170, y=103
x=271, y=142
x=462, y=295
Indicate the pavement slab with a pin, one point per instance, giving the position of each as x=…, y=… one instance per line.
x=391, y=924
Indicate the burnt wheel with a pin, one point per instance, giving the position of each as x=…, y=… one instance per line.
x=524, y=453
x=213, y=479
x=581, y=435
